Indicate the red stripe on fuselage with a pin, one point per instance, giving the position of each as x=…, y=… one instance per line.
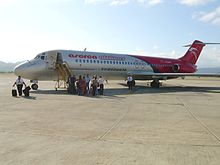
x=165, y=65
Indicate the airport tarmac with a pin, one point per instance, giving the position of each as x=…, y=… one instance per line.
x=178, y=124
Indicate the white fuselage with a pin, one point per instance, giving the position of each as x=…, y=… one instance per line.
x=110, y=66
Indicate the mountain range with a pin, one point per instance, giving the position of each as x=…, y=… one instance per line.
x=9, y=67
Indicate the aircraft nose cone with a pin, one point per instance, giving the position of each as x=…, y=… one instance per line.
x=19, y=70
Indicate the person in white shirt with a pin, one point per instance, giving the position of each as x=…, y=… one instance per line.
x=19, y=83
x=101, y=85
x=130, y=82
x=87, y=78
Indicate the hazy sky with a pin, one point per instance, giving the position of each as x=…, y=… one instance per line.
x=147, y=27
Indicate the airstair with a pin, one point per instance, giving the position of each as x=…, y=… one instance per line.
x=64, y=72
x=55, y=62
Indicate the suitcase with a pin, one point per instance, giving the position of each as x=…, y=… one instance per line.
x=26, y=91
x=14, y=92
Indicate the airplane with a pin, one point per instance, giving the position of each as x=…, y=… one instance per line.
x=57, y=65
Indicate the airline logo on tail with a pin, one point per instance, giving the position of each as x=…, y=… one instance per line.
x=194, y=51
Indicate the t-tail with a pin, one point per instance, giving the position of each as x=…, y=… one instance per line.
x=193, y=52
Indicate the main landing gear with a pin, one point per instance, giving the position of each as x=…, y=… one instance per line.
x=155, y=84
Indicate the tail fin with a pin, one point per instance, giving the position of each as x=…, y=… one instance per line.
x=193, y=52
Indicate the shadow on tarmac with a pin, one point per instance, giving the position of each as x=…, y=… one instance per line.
x=138, y=89
x=29, y=97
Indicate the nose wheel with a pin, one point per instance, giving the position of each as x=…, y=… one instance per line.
x=34, y=86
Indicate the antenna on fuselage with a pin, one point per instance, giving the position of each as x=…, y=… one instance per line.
x=85, y=49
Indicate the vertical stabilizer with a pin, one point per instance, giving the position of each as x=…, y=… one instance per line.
x=193, y=52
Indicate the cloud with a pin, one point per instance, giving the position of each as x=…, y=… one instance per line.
x=154, y=2
x=195, y=2
x=212, y=17
x=119, y=2
x=124, y=2
x=95, y=1
x=210, y=57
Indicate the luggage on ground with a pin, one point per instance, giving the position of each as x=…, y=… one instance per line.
x=26, y=91
x=14, y=92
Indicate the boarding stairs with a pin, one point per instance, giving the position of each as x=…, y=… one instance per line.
x=63, y=71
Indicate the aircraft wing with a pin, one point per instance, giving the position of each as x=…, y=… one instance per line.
x=141, y=75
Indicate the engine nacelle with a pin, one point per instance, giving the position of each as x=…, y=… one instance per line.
x=176, y=68
x=183, y=68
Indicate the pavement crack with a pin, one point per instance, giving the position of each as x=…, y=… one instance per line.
x=114, y=125
x=199, y=121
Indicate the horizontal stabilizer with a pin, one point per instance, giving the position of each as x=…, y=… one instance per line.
x=203, y=43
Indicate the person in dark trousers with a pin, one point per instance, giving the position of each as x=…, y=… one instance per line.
x=94, y=85
x=19, y=83
x=101, y=85
x=130, y=82
x=71, y=84
x=80, y=85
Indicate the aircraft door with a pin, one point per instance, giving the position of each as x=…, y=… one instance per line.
x=52, y=59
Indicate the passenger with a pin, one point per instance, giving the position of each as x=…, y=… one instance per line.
x=130, y=82
x=101, y=85
x=87, y=78
x=71, y=84
x=19, y=83
x=94, y=85
x=83, y=86
x=79, y=85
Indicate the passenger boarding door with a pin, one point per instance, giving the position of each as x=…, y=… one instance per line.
x=52, y=59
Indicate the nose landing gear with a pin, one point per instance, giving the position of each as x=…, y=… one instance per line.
x=34, y=86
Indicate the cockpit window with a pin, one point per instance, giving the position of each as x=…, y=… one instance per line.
x=42, y=57
x=38, y=56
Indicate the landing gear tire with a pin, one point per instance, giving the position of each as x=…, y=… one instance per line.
x=155, y=84
x=34, y=86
